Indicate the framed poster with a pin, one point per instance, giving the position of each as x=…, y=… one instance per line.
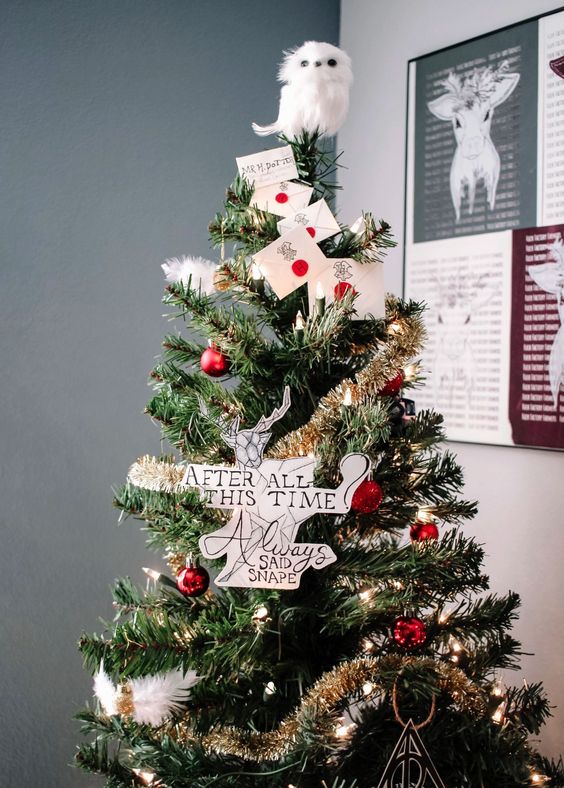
x=484, y=230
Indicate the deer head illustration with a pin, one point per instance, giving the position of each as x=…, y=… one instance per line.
x=249, y=445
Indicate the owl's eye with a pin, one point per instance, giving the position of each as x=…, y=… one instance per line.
x=332, y=62
x=304, y=63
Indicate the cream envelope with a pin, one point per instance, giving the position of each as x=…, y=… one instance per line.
x=366, y=279
x=282, y=199
x=291, y=261
x=268, y=166
x=317, y=219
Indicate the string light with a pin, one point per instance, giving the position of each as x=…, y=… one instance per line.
x=319, y=300
x=498, y=715
x=147, y=778
x=342, y=731
x=261, y=614
x=395, y=327
x=365, y=596
x=152, y=573
x=455, y=650
x=270, y=688
x=299, y=323
x=539, y=779
x=367, y=688
x=367, y=646
x=347, y=397
x=258, y=279
x=425, y=515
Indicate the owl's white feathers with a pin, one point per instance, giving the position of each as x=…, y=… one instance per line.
x=316, y=81
x=154, y=698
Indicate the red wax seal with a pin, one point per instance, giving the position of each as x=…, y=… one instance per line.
x=341, y=288
x=311, y=231
x=281, y=197
x=300, y=267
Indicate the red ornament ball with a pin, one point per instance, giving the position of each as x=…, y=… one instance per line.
x=420, y=531
x=367, y=497
x=392, y=387
x=193, y=580
x=213, y=362
x=409, y=632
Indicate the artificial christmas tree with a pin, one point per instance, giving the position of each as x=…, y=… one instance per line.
x=340, y=614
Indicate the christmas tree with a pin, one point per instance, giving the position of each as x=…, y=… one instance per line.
x=348, y=638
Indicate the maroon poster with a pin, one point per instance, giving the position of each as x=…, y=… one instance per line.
x=536, y=385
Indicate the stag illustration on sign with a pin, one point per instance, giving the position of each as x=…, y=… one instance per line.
x=469, y=104
x=249, y=445
x=269, y=500
x=549, y=277
x=459, y=299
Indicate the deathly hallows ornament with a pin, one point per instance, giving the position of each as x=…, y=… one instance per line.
x=269, y=500
x=410, y=765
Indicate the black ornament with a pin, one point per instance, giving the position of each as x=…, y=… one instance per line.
x=402, y=411
x=410, y=765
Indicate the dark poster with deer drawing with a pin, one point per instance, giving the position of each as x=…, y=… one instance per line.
x=475, y=165
x=536, y=386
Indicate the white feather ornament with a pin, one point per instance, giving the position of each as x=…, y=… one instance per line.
x=194, y=270
x=152, y=698
x=316, y=81
x=105, y=691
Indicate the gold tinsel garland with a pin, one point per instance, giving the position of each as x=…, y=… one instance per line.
x=326, y=698
x=153, y=474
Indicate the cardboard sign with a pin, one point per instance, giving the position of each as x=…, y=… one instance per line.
x=269, y=500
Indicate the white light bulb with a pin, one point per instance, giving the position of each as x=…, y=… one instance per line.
x=319, y=291
x=347, y=397
x=261, y=613
x=299, y=324
x=152, y=573
x=270, y=688
x=367, y=688
x=146, y=777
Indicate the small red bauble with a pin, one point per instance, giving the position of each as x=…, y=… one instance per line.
x=367, y=497
x=420, y=531
x=193, y=580
x=393, y=386
x=213, y=362
x=409, y=632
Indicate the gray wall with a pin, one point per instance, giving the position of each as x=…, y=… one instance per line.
x=521, y=492
x=120, y=120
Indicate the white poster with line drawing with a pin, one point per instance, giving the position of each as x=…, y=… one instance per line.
x=485, y=162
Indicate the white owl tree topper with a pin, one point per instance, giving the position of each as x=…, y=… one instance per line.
x=269, y=500
x=316, y=79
